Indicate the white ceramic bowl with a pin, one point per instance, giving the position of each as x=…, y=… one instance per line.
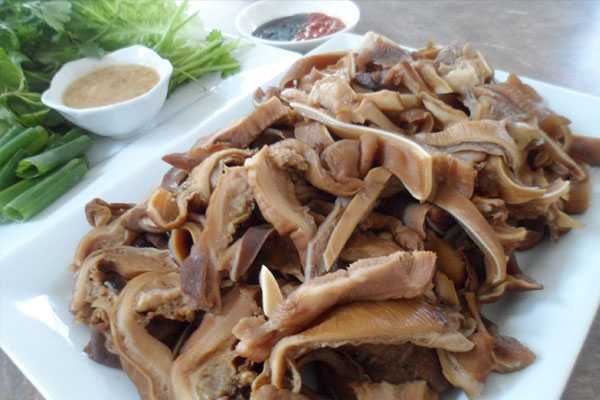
x=117, y=120
x=260, y=12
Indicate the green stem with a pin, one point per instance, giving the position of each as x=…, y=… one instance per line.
x=11, y=134
x=35, y=166
x=9, y=194
x=66, y=138
x=46, y=192
x=29, y=137
x=8, y=174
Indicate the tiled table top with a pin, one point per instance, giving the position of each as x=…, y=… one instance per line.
x=554, y=41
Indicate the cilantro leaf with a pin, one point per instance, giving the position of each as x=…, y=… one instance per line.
x=11, y=74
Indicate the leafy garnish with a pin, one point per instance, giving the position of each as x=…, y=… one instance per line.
x=54, y=12
x=11, y=75
x=52, y=32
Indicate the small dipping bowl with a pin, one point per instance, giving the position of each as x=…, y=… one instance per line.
x=117, y=120
x=261, y=12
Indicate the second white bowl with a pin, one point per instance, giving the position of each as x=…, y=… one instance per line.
x=260, y=12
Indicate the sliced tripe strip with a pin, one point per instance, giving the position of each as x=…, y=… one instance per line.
x=381, y=322
x=478, y=229
x=399, y=275
x=275, y=195
x=359, y=207
x=415, y=165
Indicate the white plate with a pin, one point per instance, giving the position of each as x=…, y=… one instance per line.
x=38, y=333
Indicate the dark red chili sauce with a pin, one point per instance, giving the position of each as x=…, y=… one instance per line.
x=299, y=27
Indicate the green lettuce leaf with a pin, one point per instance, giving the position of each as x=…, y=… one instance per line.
x=11, y=74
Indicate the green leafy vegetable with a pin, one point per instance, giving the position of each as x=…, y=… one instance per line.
x=8, y=39
x=53, y=32
x=54, y=13
x=28, y=109
x=11, y=75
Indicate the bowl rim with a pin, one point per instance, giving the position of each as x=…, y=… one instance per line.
x=96, y=63
x=297, y=43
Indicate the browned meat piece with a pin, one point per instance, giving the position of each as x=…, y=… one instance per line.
x=280, y=254
x=230, y=204
x=207, y=367
x=103, y=236
x=173, y=178
x=367, y=245
x=347, y=159
x=245, y=131
x=552, y=149
x=313, y=134
x=485, y=136
x=429, y=74
x=399, y=364
x=403, y=235
x=343, y=158
x=359, y=207
x=389, y=100
x=182, y=240
x=379, y=50
x=478, y=229
x=399, y=275
x=580, y=197
x=379, y=322
x=516, y=281
x=369, y=149
x=418, y=120
x=270, y=392
x=191, y=159
x=404, y=75
x=105, y=272
x=417, y=390
x=241, y=254
x=147, y=360
x=292, y=153
x=462, y=68
x=275, y=196
x=315, y=263
x=305, y=65
x=335, y=95
x=169, y=210
x=97, y=350
x=412, y=164
x=585, y=149
x=444, y=113
x=521, y=96
x=502, y=180
x=451, y=262
x=100, y=213
x=469, y=370
x=137, y=220
x=510, y=355
x=366, y=112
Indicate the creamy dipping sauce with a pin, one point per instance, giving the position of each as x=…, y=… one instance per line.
x=110, y=85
